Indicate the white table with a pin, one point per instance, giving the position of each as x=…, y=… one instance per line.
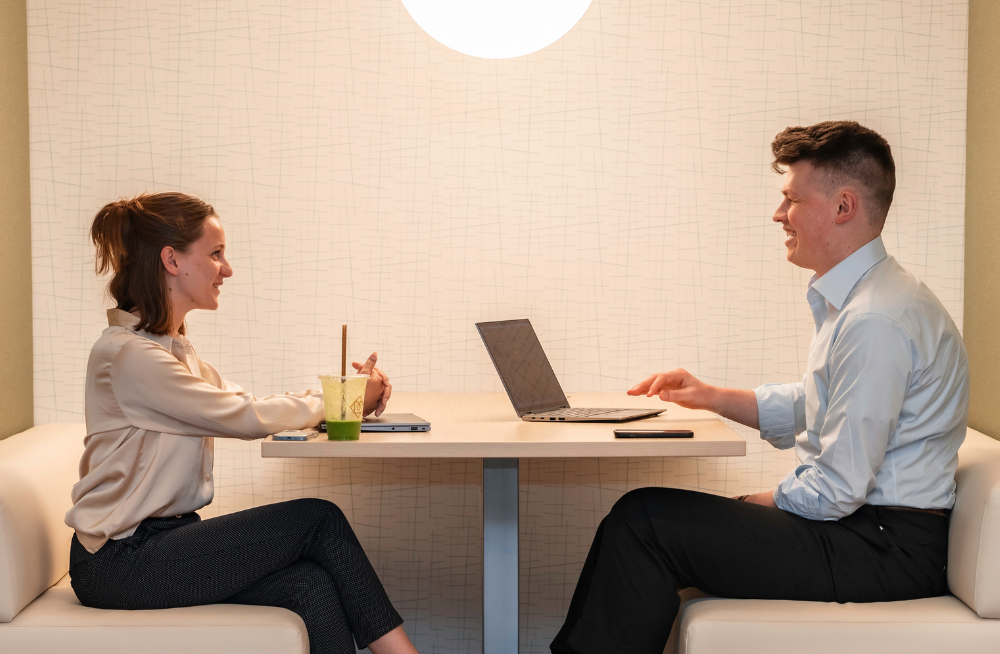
x=484, y=425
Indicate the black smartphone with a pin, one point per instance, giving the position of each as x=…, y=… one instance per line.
x=654, y=433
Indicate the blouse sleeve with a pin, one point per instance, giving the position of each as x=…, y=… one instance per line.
x=158, y=393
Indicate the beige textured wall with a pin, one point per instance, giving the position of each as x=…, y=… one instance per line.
x=982, y=220
x=15, y=223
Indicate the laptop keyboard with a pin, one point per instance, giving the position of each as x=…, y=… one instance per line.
x=575, y=413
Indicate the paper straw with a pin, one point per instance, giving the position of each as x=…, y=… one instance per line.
x=343, y=353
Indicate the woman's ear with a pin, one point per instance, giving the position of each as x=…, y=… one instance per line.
x=167, y=256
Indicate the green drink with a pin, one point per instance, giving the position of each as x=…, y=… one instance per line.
x=344, y=403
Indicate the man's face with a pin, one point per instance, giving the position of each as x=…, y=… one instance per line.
x=807, y=214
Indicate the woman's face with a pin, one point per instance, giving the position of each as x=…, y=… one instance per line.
x=196, y=278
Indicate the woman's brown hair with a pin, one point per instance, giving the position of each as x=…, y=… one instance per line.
x=130, y=234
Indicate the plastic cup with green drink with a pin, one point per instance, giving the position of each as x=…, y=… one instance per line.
x=344, y=403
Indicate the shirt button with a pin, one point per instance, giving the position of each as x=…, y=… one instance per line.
x=208, y=477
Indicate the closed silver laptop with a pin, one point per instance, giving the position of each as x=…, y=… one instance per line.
x=530, y=382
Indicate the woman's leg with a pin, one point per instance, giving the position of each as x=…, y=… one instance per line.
x=206, y=562
x=306, y=589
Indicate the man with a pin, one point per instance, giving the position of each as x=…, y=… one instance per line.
x=876, y=423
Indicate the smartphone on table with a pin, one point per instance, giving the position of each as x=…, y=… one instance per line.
x=654, y=433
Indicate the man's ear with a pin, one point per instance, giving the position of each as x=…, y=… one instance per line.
x=167, y=256
x=847, y=206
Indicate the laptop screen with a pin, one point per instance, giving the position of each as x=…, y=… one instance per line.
x=523, y=367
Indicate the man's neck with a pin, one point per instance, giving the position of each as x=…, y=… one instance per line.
x=842, y=253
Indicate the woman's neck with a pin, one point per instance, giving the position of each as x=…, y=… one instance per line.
x=176, y=320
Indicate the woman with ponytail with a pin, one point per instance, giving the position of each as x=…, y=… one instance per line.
x=154, y=408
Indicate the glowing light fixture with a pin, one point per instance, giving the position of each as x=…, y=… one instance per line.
x=496, y=29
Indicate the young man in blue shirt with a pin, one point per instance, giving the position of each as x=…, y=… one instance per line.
x=876, y=423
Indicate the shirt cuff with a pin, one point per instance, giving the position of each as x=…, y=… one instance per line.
x=776, y=413
x=795, y=494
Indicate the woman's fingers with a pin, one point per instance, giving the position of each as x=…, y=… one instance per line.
x=386, y=392
x=369, y=365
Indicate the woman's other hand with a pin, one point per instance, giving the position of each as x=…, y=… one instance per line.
x=378, y=390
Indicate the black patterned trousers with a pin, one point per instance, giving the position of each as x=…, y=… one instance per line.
x=656, y=540
x=301, y=555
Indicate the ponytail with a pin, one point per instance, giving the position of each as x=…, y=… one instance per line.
x=129, y=235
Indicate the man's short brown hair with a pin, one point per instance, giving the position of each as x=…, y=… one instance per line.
x=848, y=152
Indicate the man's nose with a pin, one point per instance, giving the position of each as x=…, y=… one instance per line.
x=781, y=212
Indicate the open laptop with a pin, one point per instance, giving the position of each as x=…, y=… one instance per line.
x=529, y=381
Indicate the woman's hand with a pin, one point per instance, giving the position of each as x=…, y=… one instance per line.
x=378, y=390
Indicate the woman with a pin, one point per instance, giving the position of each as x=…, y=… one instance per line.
x=153, y=409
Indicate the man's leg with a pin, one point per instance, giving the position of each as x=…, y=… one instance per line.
x=656, y=540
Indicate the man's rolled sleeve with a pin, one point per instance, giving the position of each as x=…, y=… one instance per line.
x=871, y=364
x=781, y=412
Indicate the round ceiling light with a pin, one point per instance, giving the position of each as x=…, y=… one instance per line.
x=496, y=29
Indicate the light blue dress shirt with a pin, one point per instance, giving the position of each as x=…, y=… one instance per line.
x=882, y=409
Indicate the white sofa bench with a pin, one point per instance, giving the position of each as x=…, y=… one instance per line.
x=961, y=623
x=40, y=613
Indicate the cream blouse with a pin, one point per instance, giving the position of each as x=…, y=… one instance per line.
x=153, y=408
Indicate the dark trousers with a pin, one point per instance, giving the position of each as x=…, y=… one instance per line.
x=658, y=540
x=301, y=555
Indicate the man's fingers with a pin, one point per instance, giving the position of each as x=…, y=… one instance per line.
x=677, y=396
x=642, y=387
x=656, y=386
x=665, y=381
x=369, y=364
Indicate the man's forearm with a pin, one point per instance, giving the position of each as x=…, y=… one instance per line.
x=736, y=404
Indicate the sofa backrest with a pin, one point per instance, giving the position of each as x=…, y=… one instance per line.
x=38, y=468
x=974, y=535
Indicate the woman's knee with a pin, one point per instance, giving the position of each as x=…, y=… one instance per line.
x=319, y=508
x=309, y=580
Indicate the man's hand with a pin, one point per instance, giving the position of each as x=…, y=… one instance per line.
x=682, y=388
x=378, y=390
x=764, y=499
x=677, y=386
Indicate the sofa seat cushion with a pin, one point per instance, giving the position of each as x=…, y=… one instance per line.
x=711, y=625
x=57, y=622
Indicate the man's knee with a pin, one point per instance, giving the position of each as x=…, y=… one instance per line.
x=641, y=508
x=638, y=503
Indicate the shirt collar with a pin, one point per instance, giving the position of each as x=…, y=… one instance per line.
x=128, y=320
x=838, y=283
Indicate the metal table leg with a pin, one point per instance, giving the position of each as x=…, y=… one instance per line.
x=500, y=556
